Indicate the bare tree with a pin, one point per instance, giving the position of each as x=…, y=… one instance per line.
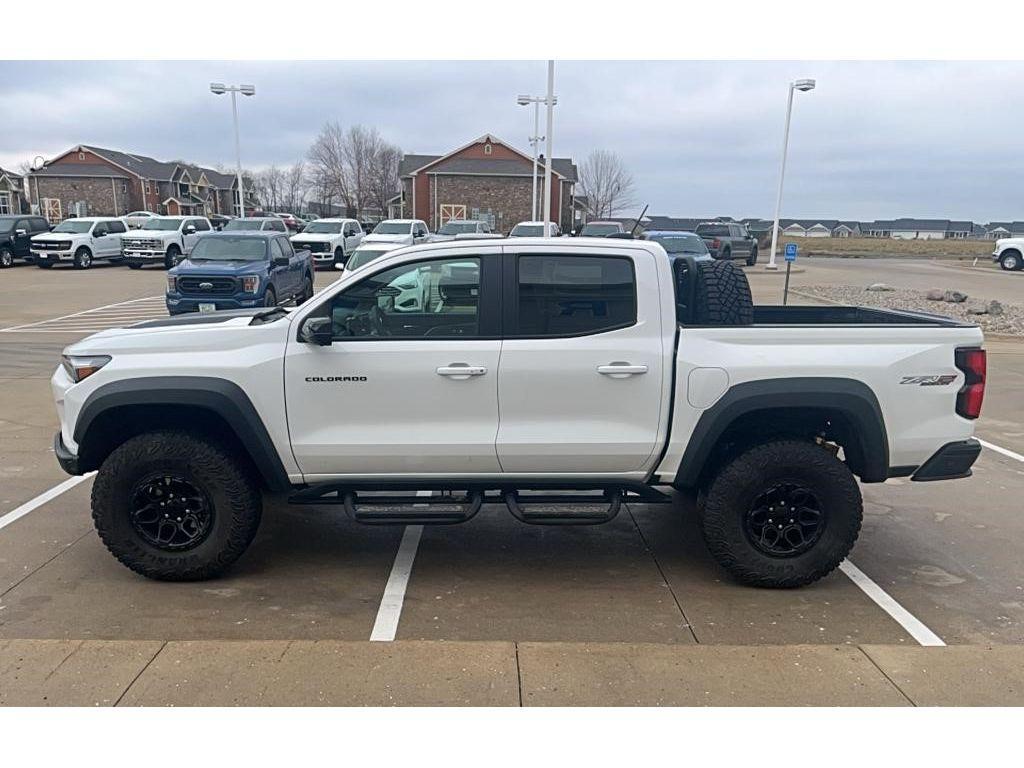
x=355, y=165
x=606, y=183
x=384, y=181
x=270, y=187
x=294, y=187
x=328, y=160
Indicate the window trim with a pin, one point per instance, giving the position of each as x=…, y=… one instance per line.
x=488, y=305
x=510, y=294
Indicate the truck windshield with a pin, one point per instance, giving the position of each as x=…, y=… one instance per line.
x=713, y=230
x=163, y=225
x=323, y=228
x=243, y=225
x=218, y=248
x=527, y=230
x=680, y=243
x=392, y=228
x=458, y=227
x=600, y=230
x=74, y=227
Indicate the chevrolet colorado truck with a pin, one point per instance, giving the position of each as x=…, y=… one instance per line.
x=562, y=378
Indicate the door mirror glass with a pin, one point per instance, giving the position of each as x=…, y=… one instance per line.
x=317, y=330
x=99, y=233
x=190, y=230
x=281, y=261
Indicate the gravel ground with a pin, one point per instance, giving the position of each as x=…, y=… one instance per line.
x=1010, y=322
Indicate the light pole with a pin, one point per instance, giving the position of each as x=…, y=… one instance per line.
x=796, y=85
x=550, y=102
x=535, y=140
x=246, y=90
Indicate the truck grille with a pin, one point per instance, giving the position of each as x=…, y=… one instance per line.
x=141, y=243
x=51, y=245
x=313, y=247
x=197, y=286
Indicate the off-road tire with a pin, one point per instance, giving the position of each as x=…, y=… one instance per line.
x=752, y=258
x=6, y=258
x=226, y=479
x=722, y=295
x=1011, y=261
x=83, y=258
x=270, y=298
x=733, y=491
x=339, y=256
x=172, y=256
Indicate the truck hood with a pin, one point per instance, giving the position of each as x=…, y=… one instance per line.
x=402, y=239
x=159, y=234
x=312, y=237
x=189, y=268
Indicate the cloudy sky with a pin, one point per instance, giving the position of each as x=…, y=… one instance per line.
x=878, y=139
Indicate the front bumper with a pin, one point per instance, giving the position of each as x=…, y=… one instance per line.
x=45, y=256
x=67, y=460
x=146, y=256
x=951, y=462
x=178, y=305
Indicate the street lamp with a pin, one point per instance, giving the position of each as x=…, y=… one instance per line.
x=796, y=85
x=246, y=90
x=534, y=141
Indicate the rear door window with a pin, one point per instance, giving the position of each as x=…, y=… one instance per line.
x=573, y=295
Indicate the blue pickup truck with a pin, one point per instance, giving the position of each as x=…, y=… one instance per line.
x=236, y=270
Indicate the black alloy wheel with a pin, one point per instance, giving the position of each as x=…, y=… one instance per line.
x=170, y=512
x=785, y=521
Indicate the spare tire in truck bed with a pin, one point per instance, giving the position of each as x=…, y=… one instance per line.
x=722, y=295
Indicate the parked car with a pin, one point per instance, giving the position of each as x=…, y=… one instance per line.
x=16, y=233
x=237, y=270
x=454, y=368
x=256, y=224
x=366, y=253
x=79, y=241
x=1008, y=253
x=164, y=240
x=399, y=231
x=450, y=229
x=679, y=243
x=329, y=240
x=293, y=222
x=729, y=240
x=138, y=219
x=602, y=229
x=218, y=221
x=534, y=229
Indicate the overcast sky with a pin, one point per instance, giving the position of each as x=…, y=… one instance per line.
x=874, y=140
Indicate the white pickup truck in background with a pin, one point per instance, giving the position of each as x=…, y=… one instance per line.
x=560, y=377
x=331, y=241
x=164, y=240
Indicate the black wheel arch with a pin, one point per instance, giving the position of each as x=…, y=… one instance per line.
x=122, y=409
x=843, y=411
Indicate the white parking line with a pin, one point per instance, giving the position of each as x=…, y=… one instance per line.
x=98, y=318
x=913, y=625
x=998, y=449
x=38, y=501
x=390, y=611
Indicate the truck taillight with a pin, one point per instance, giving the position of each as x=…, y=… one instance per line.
x=968, y=400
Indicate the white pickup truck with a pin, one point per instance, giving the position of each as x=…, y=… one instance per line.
x=560, y=377
x=164, y=240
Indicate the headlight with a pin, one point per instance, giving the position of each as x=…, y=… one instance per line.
x=83, y=366
x=172, y=283
x=251, y=283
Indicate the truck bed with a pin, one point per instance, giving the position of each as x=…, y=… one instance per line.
x=844, y=315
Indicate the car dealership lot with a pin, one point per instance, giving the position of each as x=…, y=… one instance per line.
x=504, y=597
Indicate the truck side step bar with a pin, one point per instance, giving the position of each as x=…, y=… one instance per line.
x=552, y=504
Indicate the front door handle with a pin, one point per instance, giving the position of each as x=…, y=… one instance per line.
x=621, y=369
x=461, y=370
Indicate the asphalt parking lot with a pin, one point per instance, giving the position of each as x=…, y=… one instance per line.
x=501, y=612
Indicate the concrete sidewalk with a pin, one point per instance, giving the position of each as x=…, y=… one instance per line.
x=429, y=673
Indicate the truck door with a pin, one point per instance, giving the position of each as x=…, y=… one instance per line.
x=581, y=375
x=400, y=390
x=285, y=279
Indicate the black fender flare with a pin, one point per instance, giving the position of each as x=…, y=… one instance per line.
x=854, y=399
x=222, y=397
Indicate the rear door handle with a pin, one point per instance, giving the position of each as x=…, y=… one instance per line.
x=461, y=370
x=621, y=369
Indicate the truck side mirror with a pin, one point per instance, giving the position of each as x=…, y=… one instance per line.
x=281, y=261
x=190, y=230
x=317, y=330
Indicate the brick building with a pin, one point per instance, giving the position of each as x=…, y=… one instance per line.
x=485, y=179
x=94, y=181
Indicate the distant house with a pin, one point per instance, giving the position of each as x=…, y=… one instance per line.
x=12, y=192
x=673, y=223
x=919, y=229
x=88, y=180
x=847, y=229
x=806, y=227
x=997, y=229
x=486, y=179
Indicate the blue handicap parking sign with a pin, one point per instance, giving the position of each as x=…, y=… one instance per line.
x=790, y=251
